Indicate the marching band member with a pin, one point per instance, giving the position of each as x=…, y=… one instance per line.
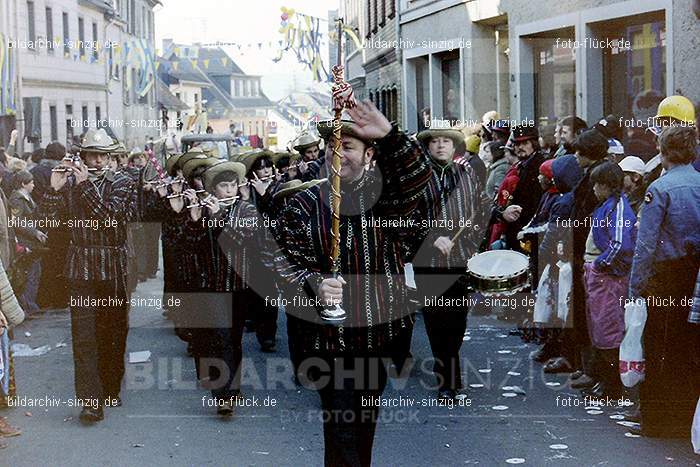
x=165, y=210
x=308, y=146
x=453, y=197
x=277, y=261
x=372, y=287
x=86, y=194
x=312, y=159
x=261, y=175
x=218, y=326
x=288, y=165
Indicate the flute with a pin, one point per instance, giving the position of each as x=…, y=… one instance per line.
x=71, y=169
x=223, y=201
x=178, y=195
x=160, y=183
x=257, y=180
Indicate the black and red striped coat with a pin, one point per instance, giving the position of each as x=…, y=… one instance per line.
x=371, y=258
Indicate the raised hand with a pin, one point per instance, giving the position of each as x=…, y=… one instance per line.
x=370, y=123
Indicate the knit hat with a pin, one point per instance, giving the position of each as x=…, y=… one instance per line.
x=472, y=144
x=546, y=168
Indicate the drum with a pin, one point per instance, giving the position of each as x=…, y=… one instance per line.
x=499, y=272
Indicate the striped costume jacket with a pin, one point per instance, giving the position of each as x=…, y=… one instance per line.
x=223, y=242
x=453, y=198
x=96, y=213
x=371, y=259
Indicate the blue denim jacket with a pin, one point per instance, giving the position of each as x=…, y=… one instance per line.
x=669, y=214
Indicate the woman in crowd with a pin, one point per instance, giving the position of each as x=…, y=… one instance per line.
x=498, y=165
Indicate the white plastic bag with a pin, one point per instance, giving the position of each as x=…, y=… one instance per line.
x=631, y=353
x=564, y=292
x=544, y=303
x=696, y=429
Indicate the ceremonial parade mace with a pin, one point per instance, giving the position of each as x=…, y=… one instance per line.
x=342, y=99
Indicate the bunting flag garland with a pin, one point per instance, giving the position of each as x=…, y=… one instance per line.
x=301, y=35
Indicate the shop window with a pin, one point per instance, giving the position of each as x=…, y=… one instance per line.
x=449, y=63
x=422, y=91
x=634, y=77
x=555, y=78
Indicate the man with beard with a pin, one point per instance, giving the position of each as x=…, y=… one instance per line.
x=525, y=198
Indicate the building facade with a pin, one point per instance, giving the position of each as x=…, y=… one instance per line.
x=541, y=60
x=216, y=90
x=375, y=70
x=458, y=70
x=9, y=57
x=86, y=61
x=594, y=58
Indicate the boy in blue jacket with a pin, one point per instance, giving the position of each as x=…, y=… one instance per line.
x=607, y=264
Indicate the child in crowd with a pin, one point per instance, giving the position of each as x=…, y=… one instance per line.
x=607, y=264
x=30, y=239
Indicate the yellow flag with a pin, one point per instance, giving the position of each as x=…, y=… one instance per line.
x=347, y=30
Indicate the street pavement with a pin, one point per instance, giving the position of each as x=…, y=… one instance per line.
x=514, y=413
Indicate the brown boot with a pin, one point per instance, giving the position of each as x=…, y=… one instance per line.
x=7, y=430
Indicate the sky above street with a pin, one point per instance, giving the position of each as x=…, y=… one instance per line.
x=244, y=23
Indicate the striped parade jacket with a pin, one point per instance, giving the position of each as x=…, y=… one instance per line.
x=222, y=243
x=453, y=198
x=96, y=213
x=373, y=232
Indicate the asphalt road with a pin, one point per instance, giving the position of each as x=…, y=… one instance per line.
x=163, y=421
